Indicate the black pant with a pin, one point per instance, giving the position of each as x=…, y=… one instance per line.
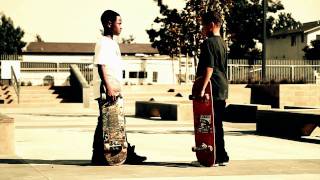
x=98, y=144
x=219, y=107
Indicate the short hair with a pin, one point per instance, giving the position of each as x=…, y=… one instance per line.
x=211, y=16
x=107, y=16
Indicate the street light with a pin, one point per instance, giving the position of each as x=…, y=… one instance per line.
x=265, y=5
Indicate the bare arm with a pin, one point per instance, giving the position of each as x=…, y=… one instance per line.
x=206, y=79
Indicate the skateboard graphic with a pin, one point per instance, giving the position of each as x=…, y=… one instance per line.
x=203, y=124
x=114, y=134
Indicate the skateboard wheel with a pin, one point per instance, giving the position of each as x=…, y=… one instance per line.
x=103, y=96
x=125, y=145
x=194, y=149
x=107, y=147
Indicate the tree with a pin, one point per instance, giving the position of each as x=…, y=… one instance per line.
x=38, y=38
x=128, y=40
x=10, y=37
x=167, y=38
x=245, y=23
x=180, y=31
x=285, y=20
x=312, y=53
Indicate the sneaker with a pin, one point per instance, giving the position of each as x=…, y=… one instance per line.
x=133, y=158
x=222, y=162
x=98, y=160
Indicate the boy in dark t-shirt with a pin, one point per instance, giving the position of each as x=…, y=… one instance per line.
x=213, y=66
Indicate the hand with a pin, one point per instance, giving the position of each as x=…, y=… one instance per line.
x=202, y=93
x=112, y=93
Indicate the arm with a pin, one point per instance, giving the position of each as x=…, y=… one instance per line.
x=206, y=79
x=107, y=85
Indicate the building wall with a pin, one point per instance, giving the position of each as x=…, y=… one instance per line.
x=281, y=48
x=58, y=58
x=312, y=36
x=165, y=68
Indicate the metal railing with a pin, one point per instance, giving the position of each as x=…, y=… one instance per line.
x=17, y=57
x=15, y=83
x=85, y=68
x=290, y=71
x=239, y=70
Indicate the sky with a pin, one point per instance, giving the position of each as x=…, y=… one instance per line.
x=79, y=20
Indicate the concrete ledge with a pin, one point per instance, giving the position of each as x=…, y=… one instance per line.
x=287, y=123
x=80, y=85
x=245, y=113
x=301, y=107
x=6, y=135
x=165, y=111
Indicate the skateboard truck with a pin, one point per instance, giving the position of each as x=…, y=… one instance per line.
x=205, y=97
x=203, y=147
x=115, y=146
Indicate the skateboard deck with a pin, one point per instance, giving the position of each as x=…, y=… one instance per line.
x=114, y=134
x=203, y=124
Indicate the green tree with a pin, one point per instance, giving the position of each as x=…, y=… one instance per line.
x=128, y=40
x=312, y=53
x=180, y=32
x=245, y=23
x=285, y=20
x=10, y=37
x=38, y=38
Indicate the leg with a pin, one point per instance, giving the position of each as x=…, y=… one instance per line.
x=219, y=111
x=98, y=146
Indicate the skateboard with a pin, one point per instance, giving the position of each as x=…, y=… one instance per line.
x=203, y=124
x=114, y=134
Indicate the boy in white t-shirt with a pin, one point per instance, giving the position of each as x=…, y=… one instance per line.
x=107, y=58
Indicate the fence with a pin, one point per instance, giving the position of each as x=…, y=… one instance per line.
x=289, y=71
x=85, y=68
x=11, y=57
x=239, y=70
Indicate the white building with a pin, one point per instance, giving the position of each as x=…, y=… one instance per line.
x=289, y=43
x=43, y=61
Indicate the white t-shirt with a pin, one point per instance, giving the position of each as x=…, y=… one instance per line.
x=107, y=52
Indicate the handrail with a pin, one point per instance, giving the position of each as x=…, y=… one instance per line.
x=15, y=83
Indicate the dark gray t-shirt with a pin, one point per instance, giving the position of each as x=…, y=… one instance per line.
x=214, y=54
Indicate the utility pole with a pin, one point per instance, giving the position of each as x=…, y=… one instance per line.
x=265, y=6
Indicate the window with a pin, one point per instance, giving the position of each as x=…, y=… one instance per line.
x=302, y=37
x=155, y=77
x=192, y=77
x=293, y=40
x=133, y=74
x=123, y=74
x=142, y=74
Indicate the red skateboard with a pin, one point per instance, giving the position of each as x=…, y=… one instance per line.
x=203, y=124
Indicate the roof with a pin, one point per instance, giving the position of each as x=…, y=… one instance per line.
x=305, y=28
x=83, y=48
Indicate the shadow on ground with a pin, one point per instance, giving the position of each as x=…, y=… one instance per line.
x=88, y=163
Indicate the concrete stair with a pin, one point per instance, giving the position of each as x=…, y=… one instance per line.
x=29, y=95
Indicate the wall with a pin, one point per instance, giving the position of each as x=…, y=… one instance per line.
x=299, y=95
x=166, y=67
x=282, y=95
x=312, y=36
x=281, y=48
x=37, y=79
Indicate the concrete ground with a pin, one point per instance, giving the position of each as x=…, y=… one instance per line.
x=55, y=143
